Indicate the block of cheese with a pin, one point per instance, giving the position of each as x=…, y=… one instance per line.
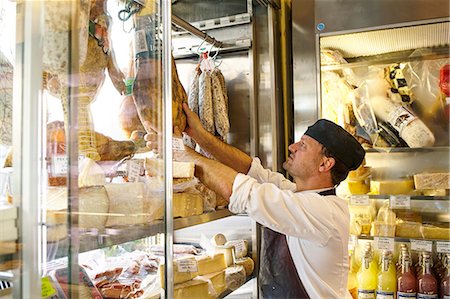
x=93, y=206
x=57, y=233
x=435, y=232
x=198, y=289
x=359, y=187
x=240, y=247
x=247, y=263
x=155, y=167
x=209, y=264
x=392, y=187
x=186, y=268
x=408, y=229
x=432, y=180
x=217, y=281
x=235, y=277
x=187, y=204
x=9, y=235
x=8, y=211
x=126, y=204
x=227, y=252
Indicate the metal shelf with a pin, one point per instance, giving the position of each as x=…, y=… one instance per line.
x=412, y=197
x=120, y=235
x=388, y=150
x=400, y=239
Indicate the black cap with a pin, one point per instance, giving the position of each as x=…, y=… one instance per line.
x=338, y=142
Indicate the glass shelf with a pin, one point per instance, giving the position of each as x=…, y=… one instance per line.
x=120, y=235
x=389, y=58
x=407, y=149
x=400, y=239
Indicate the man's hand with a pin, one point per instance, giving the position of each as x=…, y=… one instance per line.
x=152, y=141
x=194, y=127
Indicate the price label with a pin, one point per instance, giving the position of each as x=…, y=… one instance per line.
x=47, y=289
x=187, y=265
x=421, y=245
x=177, y=144
x=239, y=248
x=400, y=202
x=59, y=165
x=443, y=247
x=384, y=243
x=359, y=200
x=134, y=170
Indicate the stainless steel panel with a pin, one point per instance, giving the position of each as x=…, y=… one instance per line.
x=199, y=10
x=349, y=15
x=236, y=70
x=304, y=49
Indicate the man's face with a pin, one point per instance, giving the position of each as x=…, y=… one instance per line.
x=305, y=158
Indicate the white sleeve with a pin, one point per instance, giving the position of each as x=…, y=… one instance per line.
x=307, y=215
x=263, y=175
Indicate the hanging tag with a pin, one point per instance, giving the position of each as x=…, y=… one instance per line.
x=359, y=200
x=400, y=202
x=47, y=289
x=443, y=247
x=59, y=165
x=134, y=171
x=421, y=245
x=384, y=243
x=177, y=144
x=188, y=265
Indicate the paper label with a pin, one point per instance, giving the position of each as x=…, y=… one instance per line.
x=47, y=289
x=426, y=296
x=177, y=144
x=400, y=118
x=366, y=294
x=134, y=171
x=140, y=42
x=187, y=265
x=400, y=202
x=239, y=247
x=421, y=245
x=359, y=200
x=384, y=244
x=443, y=247
x=402, y=295
x=59, y=165
x=385, y=295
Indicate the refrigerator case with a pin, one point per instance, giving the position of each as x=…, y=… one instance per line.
x=87, y=214
x=382, y=76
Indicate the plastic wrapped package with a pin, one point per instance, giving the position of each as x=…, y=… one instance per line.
x=361, y=218
x=385, y=223
x=235, y=277
x=126, y=204
x=209, y=197
x=440, y=232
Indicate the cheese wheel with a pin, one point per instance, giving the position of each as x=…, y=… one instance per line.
x=218, y=240
x=247, y=263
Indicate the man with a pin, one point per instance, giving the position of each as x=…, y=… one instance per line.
x=305, y=239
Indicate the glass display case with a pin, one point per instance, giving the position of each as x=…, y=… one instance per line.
x=383, y=76
x=90, y=195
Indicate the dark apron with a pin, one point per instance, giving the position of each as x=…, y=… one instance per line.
x=278, y=276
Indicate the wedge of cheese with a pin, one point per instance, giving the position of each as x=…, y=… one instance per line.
x=217, y=280
x=187, y=268
x=247, y=263
x=155, y=167
x=126, y=204
x=198, y=289
x=392, y=187
x=432, y=180
x=93, y=206
x=187, y=204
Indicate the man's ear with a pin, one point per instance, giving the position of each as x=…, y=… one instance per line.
x=327, y=164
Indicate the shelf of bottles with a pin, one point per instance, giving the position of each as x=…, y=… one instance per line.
x=382, y=267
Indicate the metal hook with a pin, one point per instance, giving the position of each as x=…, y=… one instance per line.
x=212, y=46
x=200, y=46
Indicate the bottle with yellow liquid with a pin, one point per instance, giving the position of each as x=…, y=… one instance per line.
x=387, y=280
x=367, y=275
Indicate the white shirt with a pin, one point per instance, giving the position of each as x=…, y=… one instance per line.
x=316, y=226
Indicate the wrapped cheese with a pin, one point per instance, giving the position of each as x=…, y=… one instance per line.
x=126, y=204
x=247, y=263
x=235, y=277
x=439, y=180
x=155, y=167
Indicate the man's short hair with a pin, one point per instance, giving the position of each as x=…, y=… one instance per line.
x=339, y=171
